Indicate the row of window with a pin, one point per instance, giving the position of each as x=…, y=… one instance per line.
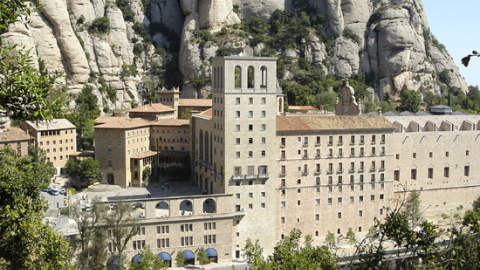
x=168, y=131
x=250, y=154
x=54, y=150
x=250, y=114
x=250, y=195
x=54, y=142
x=250, y=77
x=262, y=170
x=238, y=101
x=263, y=127
x=430, y=173
x=54, y=158
x=339, y=140
x=430, y=154
x=119, y=134
x=330, y=152
x=250, y=140
x=54, y=132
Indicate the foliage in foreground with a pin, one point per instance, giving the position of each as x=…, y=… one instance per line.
x=290, y=254
x=25, y=241
x=83, y=173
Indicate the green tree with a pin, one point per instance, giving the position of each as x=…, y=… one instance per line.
x=410, y=101
x=149, y=261
x=202, y=256
x=329, y=239
x=180, y=259
x=25, y=241
x=186, y=114
x=351, y=236
x=100, y=25
x=91, y=236
x=411, y=210
x=123, y=224
x=83, y=173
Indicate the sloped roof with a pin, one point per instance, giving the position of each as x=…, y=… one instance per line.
x=171, y=122
x=390, y=113
x=207, y=113
x=54, y=124
x=123, y=123
x=312, y=123
x=152, y=108
x=13, y=134
x=192, y=102
x=145, y=154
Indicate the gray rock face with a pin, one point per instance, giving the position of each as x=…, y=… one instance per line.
x=387, y=39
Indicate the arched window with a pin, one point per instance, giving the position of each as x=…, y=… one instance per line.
x=238, y=77
x=250, y=79
x=264, y=77
x=186, y=207
x=209, y=206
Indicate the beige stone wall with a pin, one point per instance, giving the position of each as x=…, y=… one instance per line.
x=116, y=146
x=172, y=212
x=317, y=201
x=58, y=145
x=170, y=138
x=20, y=147
x=445, y=162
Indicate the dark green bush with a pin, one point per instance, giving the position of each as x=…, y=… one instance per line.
x=138, y=49
x=100, y=25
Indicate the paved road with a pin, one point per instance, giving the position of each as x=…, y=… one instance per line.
x=54, y=202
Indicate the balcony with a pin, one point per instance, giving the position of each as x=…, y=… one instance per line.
x=373, y=142
x=304, y=173
x=317, y=144
x=352, y=170
x=238, y=177
x=251, y=176
x=263, y=176
x=362, y=143
x=330, y=156
x=382, y=153
x=340, y=170
x=340, y=143
x=282, y=174
x=372, y=169
x=361, y=169
x=305, y=144
x=305, y=157
x=382, y=142
x=318, y=172
x=282, y=145
x=330, y=171
x=361, y=155
x=382, y=169
x=282, y=158
x=317, y=156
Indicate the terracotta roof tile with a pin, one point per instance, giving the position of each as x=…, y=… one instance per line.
x=13, y=134
x=313, y=122
x=301, y=108
x=153, y=108
x=191, y=102
x=207, y=113
x=145, y=154
x=123, y=123
x=171, y=122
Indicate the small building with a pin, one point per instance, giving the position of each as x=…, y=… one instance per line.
x=17, y=139
x=58, y=137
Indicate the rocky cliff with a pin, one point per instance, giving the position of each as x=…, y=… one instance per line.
x=118, y=44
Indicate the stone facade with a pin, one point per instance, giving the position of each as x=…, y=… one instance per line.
x=58, y=138
x=175, y=224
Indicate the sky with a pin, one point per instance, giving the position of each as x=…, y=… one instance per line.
x=456, y=24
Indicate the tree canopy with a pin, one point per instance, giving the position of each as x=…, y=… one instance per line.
x=410, y=101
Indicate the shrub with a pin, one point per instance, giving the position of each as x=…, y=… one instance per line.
x=138, y=49
x=81, y=19
x=223, y=51
x=100, y=25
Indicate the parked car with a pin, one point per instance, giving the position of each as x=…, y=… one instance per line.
x=54, y=192
x=63, y=191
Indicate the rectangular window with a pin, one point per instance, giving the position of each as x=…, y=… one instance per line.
x=430, y=173
x=413, y=174
x=396, y=175
x=264, y=114
x=446, y=172
x=250, y=114
x=466, y=171
x=237, y=128
x=237, y=100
